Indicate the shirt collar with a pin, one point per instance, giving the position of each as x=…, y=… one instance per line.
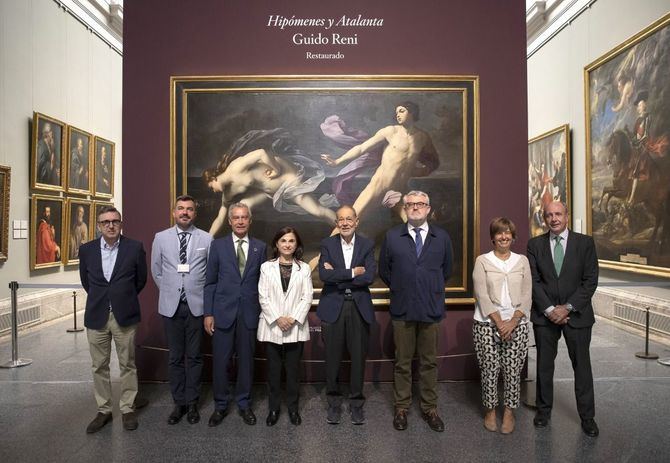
x=563, y=234
x=345, y=244
x=423, y=226
x=245, y=238
x=106, y=247
x=190, y=229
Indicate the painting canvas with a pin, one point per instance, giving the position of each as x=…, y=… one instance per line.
x=46, y=231
x=275, y=143
x=628, y=156
x=79, y=227
x=47, y=160
x=5, y=185
x=548, y=175
x=103, y=168
x=79, y=161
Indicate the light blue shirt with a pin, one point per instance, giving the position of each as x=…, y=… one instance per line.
x=189, y=234
x=108, y=254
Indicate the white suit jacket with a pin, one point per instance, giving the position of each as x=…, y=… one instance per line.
x=164, y=261
x=295, y=303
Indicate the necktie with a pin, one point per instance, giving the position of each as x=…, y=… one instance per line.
x=419, y=241
x=183, y=244
x=558, y=254
x=241, y=259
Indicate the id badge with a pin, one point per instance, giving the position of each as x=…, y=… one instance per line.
x=183, y=268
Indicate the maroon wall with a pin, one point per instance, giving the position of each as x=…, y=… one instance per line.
x=164, y=38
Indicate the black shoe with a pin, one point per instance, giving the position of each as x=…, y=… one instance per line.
x=334, y=414
x=590, y=427
x=433, y=419
x=193, y=416
x=400, y=419
x=541, y=421
x=357, y=415
x=217, y=417
x=100, y=420
x=177, y=413
x=140, y=402
x=129, y=421
x=248, y=416
x=294, y=418
x=272, y=418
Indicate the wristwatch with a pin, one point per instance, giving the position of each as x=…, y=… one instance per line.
x=570, y=307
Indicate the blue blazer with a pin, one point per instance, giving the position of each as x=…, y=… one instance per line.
x=128, y=278
x=226, y=291
x=336, y=281
x=416, y=283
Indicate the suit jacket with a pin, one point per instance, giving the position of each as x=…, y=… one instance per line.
x=339, y=279
x=275, y=303
x=128, y=278
x=576, y=283
x=164, y=262
x=416, y=283
x=226, y=291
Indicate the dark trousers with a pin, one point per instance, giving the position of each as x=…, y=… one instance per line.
x=241, y=340
x=184, y=336
x=286, y=355
x=352, y=331
x=578, y=341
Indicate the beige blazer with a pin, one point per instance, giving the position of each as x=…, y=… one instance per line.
x=488, y=280
x=295, y=303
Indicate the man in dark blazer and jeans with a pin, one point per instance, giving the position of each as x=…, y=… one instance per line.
x=113, y=270
x=347, y=268
x=564, y=266
x=415, y=262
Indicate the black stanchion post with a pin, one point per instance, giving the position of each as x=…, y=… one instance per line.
x=74, y=305
x=646, y=354
x=15, y=361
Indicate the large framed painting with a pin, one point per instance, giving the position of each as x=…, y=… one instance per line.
x=47, y=153
x=103, y=168
x=627, y=97
x=79, y=147
x=97, y=207
x=78, y=217
x=548, y=174
x=290, y=147
x=46, y=231
x=5, y=186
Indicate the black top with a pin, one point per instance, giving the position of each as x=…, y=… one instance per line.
x=285, y=272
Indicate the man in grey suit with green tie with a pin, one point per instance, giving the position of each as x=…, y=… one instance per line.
x=178, y=264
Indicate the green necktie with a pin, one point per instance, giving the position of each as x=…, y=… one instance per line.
x=559, y=254
x=241, y=260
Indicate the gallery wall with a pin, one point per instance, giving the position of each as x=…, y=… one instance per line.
x=211, y=37
x=50, y=63
x=556, y=97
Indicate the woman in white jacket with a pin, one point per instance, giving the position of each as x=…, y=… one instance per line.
x=503, y=288
x=285, y=294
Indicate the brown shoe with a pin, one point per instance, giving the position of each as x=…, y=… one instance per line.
x=100, y=420
x=508, y=422
x=400, y=419
x=490, y=420
x=129, y=421
x=433, y=419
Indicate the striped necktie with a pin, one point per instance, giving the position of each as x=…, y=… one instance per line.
x=183, y=245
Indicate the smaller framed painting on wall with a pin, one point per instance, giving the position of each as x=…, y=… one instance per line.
x=78, y=161
x=47, y=160
x=548, y=174
x=5, y=177
x=103, y=153
x=80, y=225
x=46, y=231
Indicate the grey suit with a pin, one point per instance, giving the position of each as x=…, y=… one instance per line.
x=182, y=319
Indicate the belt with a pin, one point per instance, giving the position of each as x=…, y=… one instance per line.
x=348, y=295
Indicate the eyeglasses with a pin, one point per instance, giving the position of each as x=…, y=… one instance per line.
x=417, y=205
x=109, y=223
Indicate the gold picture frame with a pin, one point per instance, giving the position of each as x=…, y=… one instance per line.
x=5, y=190
x=80, y=227
x=47, y=153
x=79, y=155
x=104, y=156
x=47, y=215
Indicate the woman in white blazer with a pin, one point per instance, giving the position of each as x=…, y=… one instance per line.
x=503, y=288
x=285, y=293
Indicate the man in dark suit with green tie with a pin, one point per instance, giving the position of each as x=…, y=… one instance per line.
x=565, y=277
